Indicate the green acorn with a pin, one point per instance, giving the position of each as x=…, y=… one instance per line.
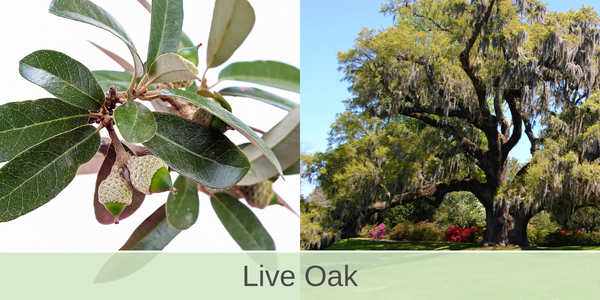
x=115, y=193
x=189, y=53
x=149, y=174
x=205, y=118
x=258, y=195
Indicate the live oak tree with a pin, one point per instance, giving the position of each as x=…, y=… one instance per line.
x=46, y=141
x=474, y=77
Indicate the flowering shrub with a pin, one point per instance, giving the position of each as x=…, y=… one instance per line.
x=366, y=230
x=379, y=232
x=460, y=234
x=421, y=231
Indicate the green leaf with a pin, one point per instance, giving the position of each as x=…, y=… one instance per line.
x=87, y=12
x=170, y=67
x=228, y=118
x=25, y=124
x=103, y=216
x=63, y=77
x=183, y=207
x=153, y=234
x=270, y=73
x=260, y=95
x=284, y=140
x=232, y=22
x=241, y=223
x=135, y=121
x=165, y=28
x=185, y=41
x=197, y=152
x=120, y=80
x=293, y=169
x=37, y=175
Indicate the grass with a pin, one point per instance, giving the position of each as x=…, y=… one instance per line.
x=368, y=244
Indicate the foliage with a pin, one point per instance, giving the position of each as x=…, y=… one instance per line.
x=540, y=226
x=367, y=229
x=441, y=99
x=420, y=231
x=587, y=218
x=318, y=229
x=461, y=209
x=46, y=141
x=572, y=238
x=413, y=211
x=564, y=175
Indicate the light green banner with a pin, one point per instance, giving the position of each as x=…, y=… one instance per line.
x=306, y=275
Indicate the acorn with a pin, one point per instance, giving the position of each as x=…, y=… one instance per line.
x=115, y=193
x=205, y=118
x=258, y=195
x=149, y=174
x=190, y=53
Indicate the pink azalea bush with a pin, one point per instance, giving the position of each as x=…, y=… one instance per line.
x=379, y=232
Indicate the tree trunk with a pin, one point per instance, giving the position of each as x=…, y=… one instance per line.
x=351, y=229
x=507, y=224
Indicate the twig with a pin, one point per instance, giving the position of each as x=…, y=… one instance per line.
x=122, y=155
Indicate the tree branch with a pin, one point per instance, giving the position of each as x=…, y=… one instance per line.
x=517, y=120
x=535, y=142
x=440, y=27
x=436, y=191
x=477, y=81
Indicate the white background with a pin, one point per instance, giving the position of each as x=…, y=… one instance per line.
x=67, y=223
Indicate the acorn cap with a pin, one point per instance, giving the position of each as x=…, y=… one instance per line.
x=161, y=181
x=115, y=209
x=149, y=174
x=115, y=193
x=258, y=195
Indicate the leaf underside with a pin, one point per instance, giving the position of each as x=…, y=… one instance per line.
x=37, y=175
x=169, y=67
x=197, y=152
x=241, y=223
x=284, y=140
x=260, y=95
x=25, y=124
x=270, y=73
x=231, y=23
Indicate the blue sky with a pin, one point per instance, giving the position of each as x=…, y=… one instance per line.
x=330, y=26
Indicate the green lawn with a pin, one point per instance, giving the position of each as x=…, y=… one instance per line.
x=364, y=244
